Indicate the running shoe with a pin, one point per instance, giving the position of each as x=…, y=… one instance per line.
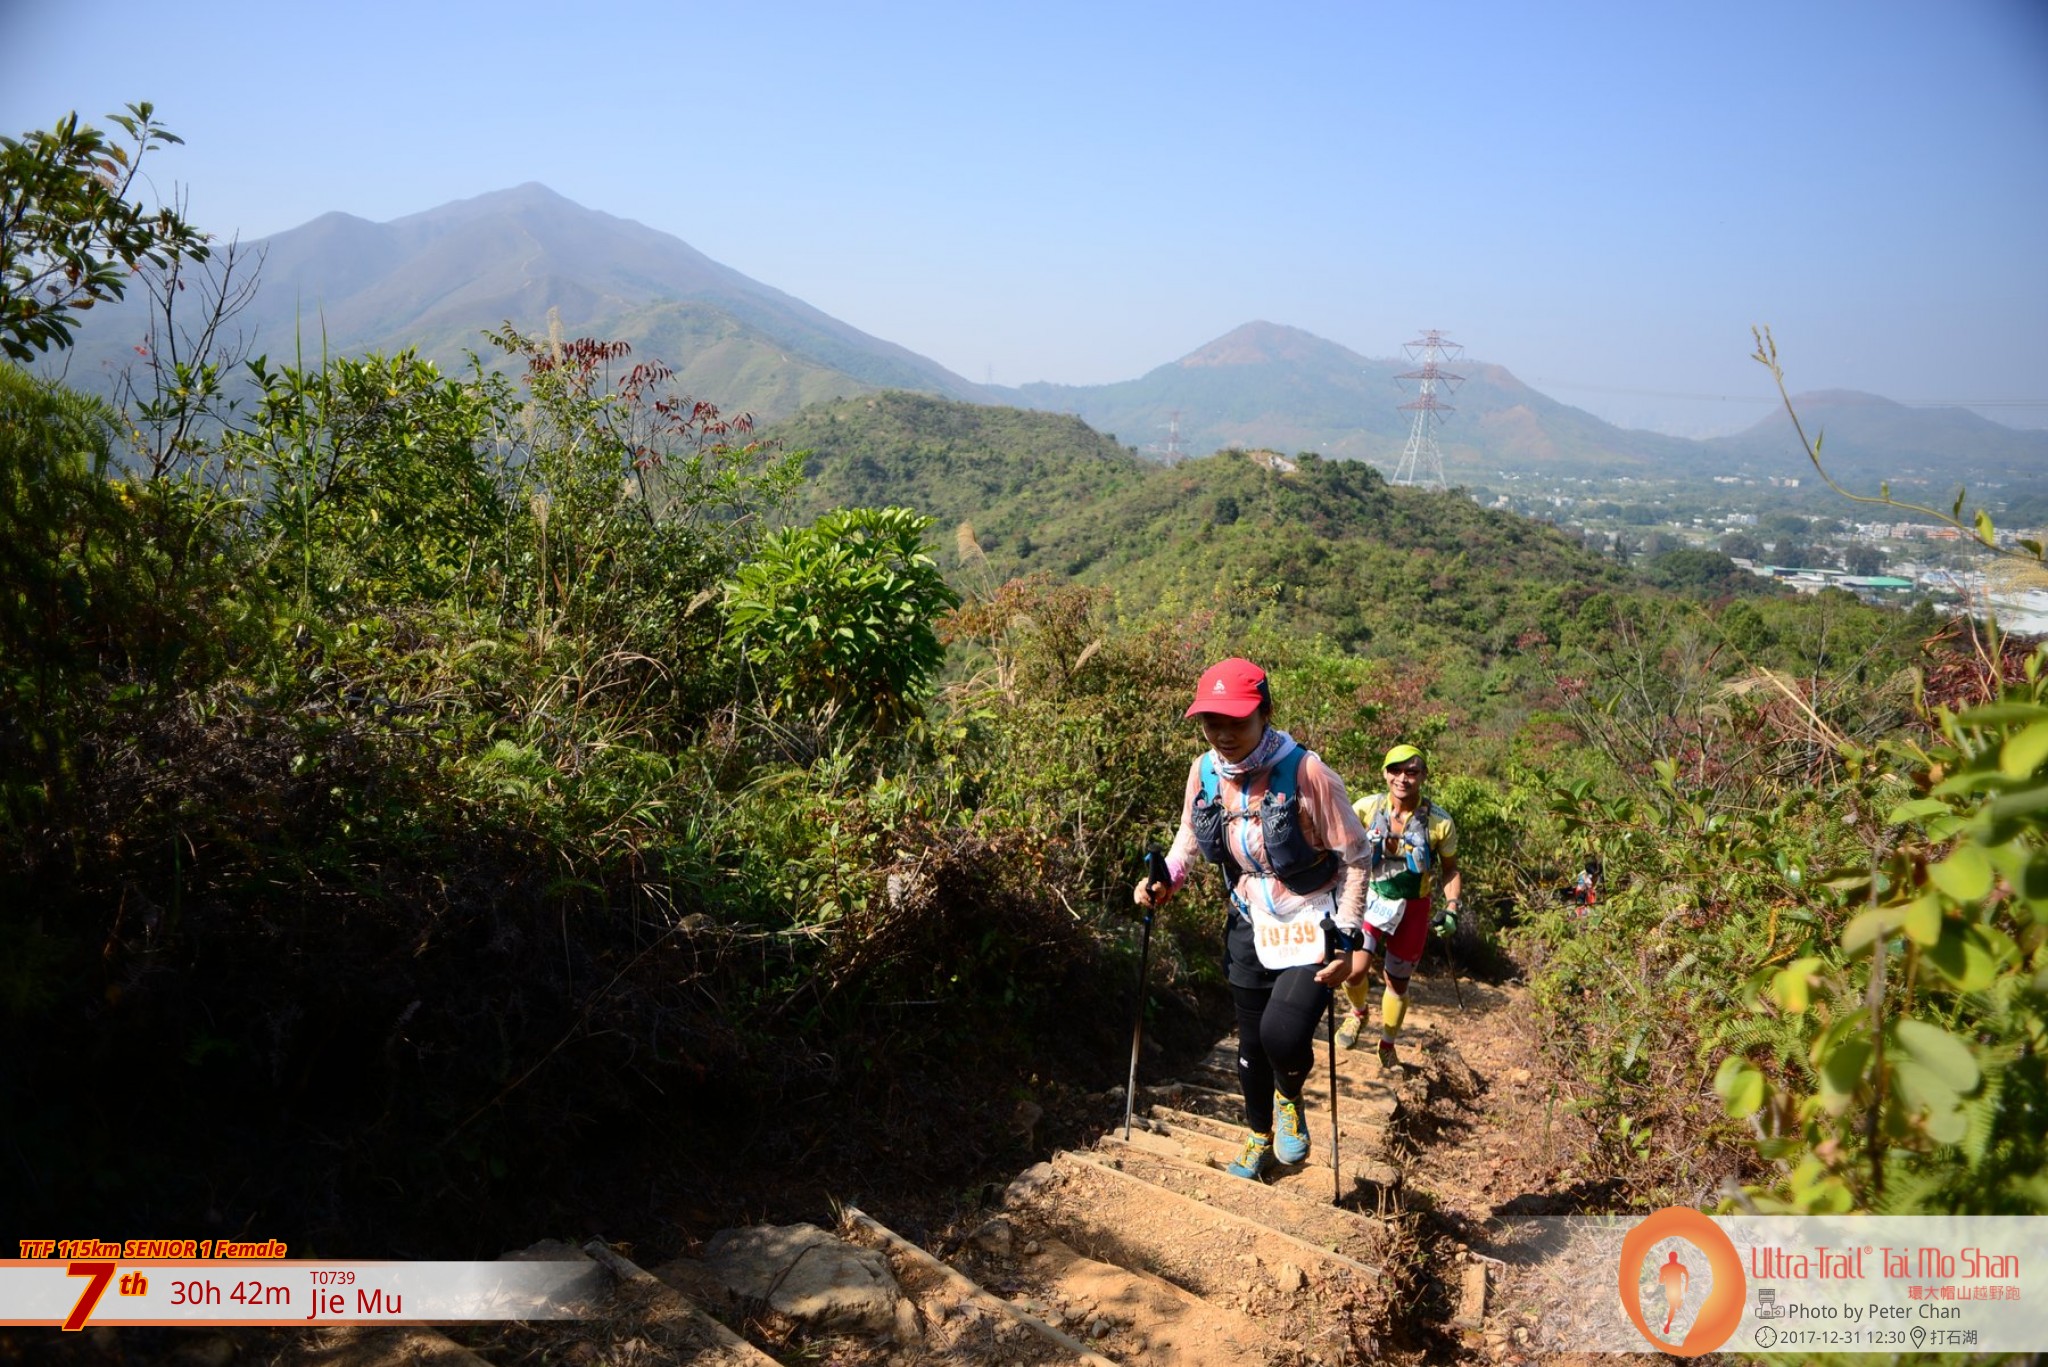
x=1290, y=1136
x=1388, y=1061
x=1258, y=1152
x=1347, y=1031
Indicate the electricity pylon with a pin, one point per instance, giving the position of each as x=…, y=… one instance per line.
x=1422, y=460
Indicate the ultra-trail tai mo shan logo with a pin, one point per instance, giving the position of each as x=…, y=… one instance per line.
x=1698, y=1297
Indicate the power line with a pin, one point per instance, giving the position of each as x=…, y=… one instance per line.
x=1772, y=398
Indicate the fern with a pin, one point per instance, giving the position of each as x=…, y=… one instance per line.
x=1782, y=1039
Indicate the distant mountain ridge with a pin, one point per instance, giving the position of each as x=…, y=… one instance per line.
x=434, y=280
x=1865, y=437
x=1265, y=384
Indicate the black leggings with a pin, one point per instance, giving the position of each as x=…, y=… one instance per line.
x=1276, y=1033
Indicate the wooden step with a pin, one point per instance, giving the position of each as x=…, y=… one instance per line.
x=1359, y=1076
x=1299, y=1293
x=1368, y=1141
x=961, y=1319
x=1134, y=1315
x=1413, y=1040
x=1366, y=1178
x=1203, y=1095
x=1358, y=1070
x=1303, y=1208
x=355, y=1345
x=657, y=1312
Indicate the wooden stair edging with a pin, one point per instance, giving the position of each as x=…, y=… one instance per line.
x=1369, y=1091
x=397, y=1345
x=1233, y=1195
x=706, y=1340
x=970, y=1290
x=1374, y=1111
x=1256, y=1229
x=1221, y=1138
x=1151, y=1320
x=1298, y=1293
x=1312, y=1180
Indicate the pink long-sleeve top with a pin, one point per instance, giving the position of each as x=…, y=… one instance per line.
x=1327, y=821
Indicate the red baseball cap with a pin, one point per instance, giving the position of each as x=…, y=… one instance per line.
x=1230, y=688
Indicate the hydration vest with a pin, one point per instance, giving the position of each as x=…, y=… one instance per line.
x=1300, y=866
x=1401, y=875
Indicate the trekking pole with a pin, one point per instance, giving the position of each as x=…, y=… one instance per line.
x=1336, y=1166
x=1156, y=875
x=1334, y=952
x=1451, y=953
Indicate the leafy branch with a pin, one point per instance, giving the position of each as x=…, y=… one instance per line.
x=70, y=237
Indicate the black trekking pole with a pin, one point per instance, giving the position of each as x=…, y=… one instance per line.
x=1156, y=875
x=1451, y=954
x=1336, y=952
x=1336, y=1166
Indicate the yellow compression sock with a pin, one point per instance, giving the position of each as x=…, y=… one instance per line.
x=1393, y=1007
x=1355, y=994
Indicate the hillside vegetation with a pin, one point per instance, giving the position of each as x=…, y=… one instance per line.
x=1326, y=546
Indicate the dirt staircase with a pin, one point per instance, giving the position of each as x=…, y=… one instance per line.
x=1143, y=1250
x=1132, y=1250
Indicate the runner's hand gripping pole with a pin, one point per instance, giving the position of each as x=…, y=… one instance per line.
x=1158, y=876
x=1445, y=924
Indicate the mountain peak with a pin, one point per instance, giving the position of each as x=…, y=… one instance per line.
x=520, y=201
x=1844, y=398
x=1258, y=343
x=528, y=193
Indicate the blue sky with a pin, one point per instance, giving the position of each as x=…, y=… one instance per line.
x=1600, y=197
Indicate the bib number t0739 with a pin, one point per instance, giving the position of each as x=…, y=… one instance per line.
x=1287, y=942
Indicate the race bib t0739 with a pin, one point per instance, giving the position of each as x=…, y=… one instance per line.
x=1290, y=940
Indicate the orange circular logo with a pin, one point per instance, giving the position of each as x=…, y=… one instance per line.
x=1718, y=1314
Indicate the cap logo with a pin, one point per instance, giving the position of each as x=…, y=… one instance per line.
x=1219, y=687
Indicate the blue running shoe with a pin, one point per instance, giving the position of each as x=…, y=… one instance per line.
x=1258, y=1153
x=1290, y=1136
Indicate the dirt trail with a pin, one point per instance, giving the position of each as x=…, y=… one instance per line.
x=1494, y=1138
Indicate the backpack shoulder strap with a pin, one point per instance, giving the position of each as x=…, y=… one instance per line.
x=1375, y=812
x=1285, y=774
x=1209, y=778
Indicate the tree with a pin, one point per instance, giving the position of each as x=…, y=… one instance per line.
x=1742, y=546
x=1706, y=574
x=70, y=237
x=1795, y=555
x=838, y=617
x=1745, y=629
x=1864, y=560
